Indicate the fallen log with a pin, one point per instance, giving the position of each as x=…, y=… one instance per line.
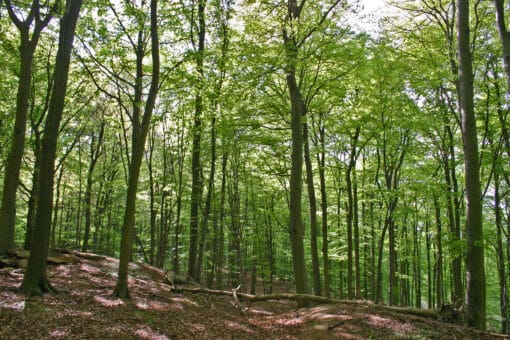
x=63, y=259
x=89, y=256
x=427, y=313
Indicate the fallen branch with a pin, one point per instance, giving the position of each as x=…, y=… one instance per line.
x=427, y=313
x=236, y=300
x=89, y=256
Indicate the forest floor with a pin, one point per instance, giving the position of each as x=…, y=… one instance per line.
x=85, y=309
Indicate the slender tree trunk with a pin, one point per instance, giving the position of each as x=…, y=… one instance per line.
x=27, y=48
x=475, y=269
x=152, y=200
x=35, y=281
x=298, y=109
x=95, y=152
x=503, y=294
x=429, y=267
x=439, y=257
x=139, y=137
x=348, y=182
x=208, y=200
x=316, y=274
x=34, y=191
x=458, y=289
x=321, y=162
x=296, y=227
x=196, y=180
x=220, y=251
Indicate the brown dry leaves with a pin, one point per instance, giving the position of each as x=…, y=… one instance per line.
x=85, y=309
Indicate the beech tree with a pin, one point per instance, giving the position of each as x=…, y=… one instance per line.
x=30, y=29
x=475, y=268
x=35, y=281
x=139, y=135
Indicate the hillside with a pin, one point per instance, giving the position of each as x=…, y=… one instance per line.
x=84, y=309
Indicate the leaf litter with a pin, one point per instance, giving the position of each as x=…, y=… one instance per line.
x=84, y=309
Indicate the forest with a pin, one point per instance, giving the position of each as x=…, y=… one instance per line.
x=351, y=152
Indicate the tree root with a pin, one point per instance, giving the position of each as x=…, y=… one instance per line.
x=38, y=288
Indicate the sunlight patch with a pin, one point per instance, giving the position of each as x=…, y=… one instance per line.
x=63, y=271
x=260, y=312
x=151, y=304
x=389, y=324
x=106, y=302
x=101, y=281
x=16, y=306
x=90, y=269
x=238, y=326
x=81, y=314
x=59, y=332
x=145, y=332
x=290, y=322
x=185, y=301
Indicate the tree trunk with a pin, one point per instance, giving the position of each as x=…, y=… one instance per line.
x=503, y=295
x=475, y=270
x=95, y=149
x=196, y=180
x=220, y=241
x=321, y=163
x=35, y=281
x=139, y=137
x=439, y=255
x=13, y=165
x=208, y=200
x=316, y=274
x=298, y=109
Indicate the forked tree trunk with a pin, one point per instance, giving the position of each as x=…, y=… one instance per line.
x=35, y=281
x=27, y=48
x=139, y=137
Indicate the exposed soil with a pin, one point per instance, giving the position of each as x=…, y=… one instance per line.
x=85, y=309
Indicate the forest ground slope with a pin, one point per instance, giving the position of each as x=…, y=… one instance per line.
x=85, y=309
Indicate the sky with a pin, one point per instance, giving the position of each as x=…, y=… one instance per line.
x=373, y=10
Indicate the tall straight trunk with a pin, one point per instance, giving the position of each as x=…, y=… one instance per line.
x=439, y=257
x=417, y=263
x=208, y=200
x=372, y=251
x=504, y=36
x=56, y=208
x=348, y=182
x=196, y=168
x=28, y=44
x=378, y=289
x=321, y=163
x=458, y=287
x=235, y=259
x=475, y=270
x=32, y=202
x=357, y=267
x=298, y=109
x=95, y=152
x=35, y=281
x=178, y=224
x=316, y=274
x=429, y=266
x=152, y=199
x=352, y=222
x=503, y=294
x=220, y=240
x=139, y=137
x=392, y=257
